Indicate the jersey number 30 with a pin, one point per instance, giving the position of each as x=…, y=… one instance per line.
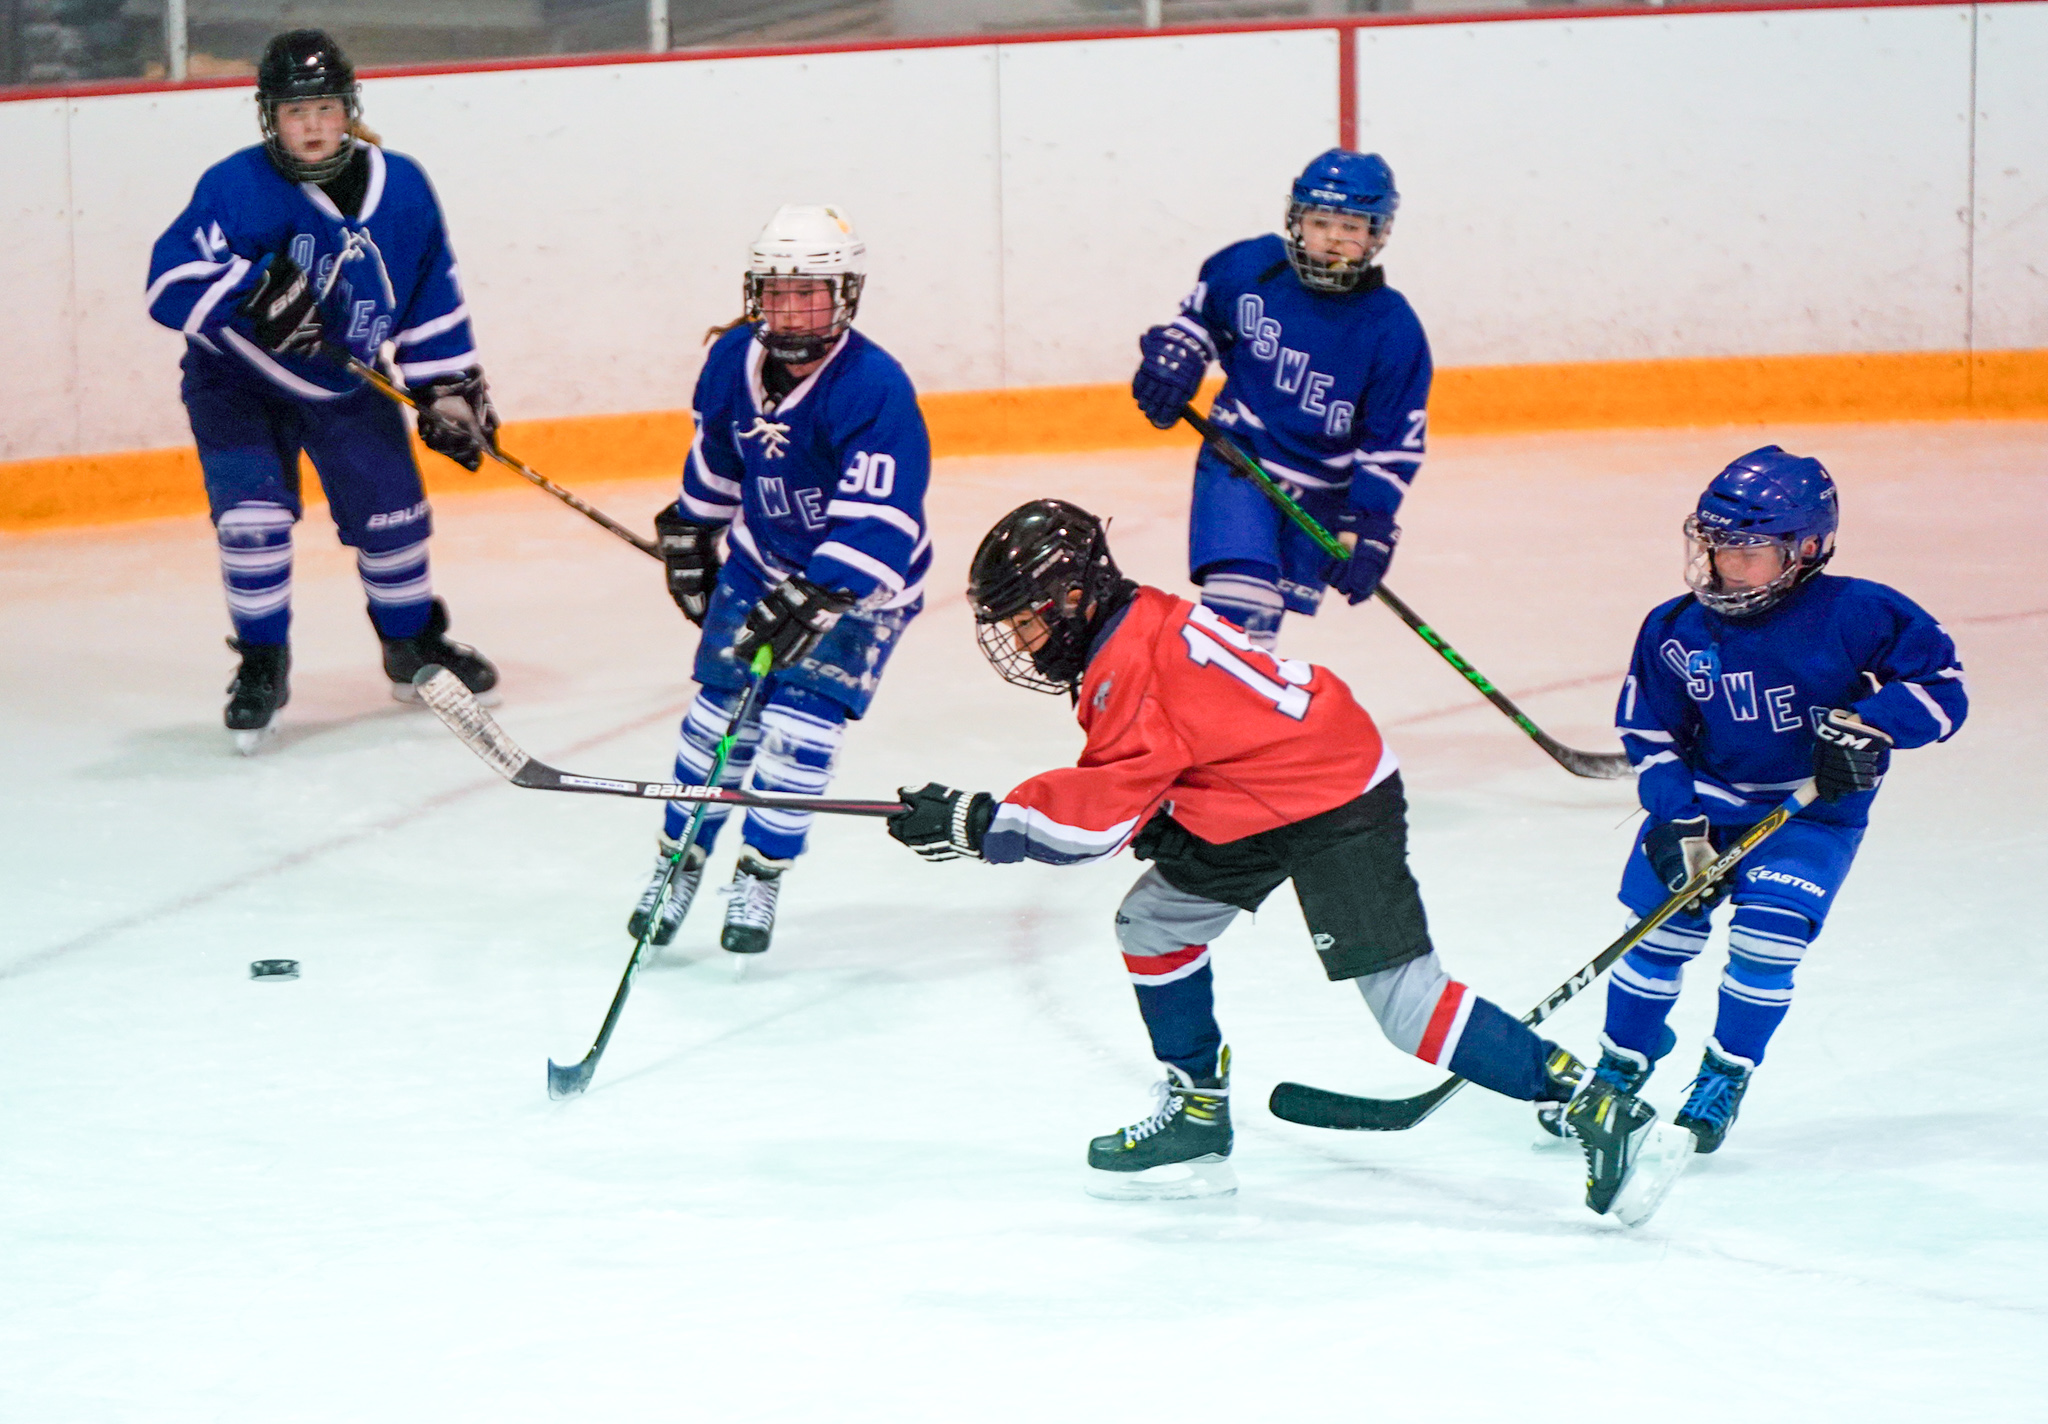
x=1216, y=644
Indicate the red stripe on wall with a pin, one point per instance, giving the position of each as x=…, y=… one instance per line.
x=1347, y=88
x=1440, y=1022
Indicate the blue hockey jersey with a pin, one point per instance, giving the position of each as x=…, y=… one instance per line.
x=828, y=484
x=1718, y=713
x=397, y=280
x=1331, y=389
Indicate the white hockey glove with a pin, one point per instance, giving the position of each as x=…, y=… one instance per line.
x=1679, y=850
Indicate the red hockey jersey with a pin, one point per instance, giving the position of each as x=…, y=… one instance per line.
x=1184, y=714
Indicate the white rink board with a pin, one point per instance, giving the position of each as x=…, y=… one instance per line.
x=1114, y=192
x=2012, y=177
x=1669, y=186
x=39, y=411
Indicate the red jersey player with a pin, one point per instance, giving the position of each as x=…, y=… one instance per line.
x=1231, y=771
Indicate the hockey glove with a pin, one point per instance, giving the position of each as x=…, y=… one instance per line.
x=1359, y=576
x=1169, y=375
x=284, y=310
x=1849, y=755
x=689, y=551
x=456, y=417
x=940, y=823
x=1679, y=850
x=789, y=620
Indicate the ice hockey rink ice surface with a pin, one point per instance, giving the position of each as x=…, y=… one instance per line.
x=847, y=1186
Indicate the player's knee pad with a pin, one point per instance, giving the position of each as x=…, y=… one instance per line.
x=1770, y=938
x=397, y=578
x=1248, y=594
x=1165, y=933
x=704, y=724
x=1405, y=999
x=254, y=525
x=800, y=740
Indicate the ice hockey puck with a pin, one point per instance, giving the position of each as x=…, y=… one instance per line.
x=274, y=969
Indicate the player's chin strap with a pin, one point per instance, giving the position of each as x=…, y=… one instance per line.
x=386, y=386
x=1597, y=765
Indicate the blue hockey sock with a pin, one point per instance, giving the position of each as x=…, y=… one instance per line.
x=1644, y=986
x=256, y=570
x=400, y=588
x=1180, y=1014
x=1499, y=1052
x=800, y=736
x=1248, y=594
x=1765, y=946
x=709, y=715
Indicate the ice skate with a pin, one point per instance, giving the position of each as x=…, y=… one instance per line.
x=750, y=902
x=404, y=657
x=1631, y=1158
x=261, y=685
x=667, y=899
x=1565, y=1073
x=1181, y=1150
x=1715, y=1098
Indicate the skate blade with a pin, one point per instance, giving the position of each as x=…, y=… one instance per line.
x=250, y=743
x=406, y=692
x=1662, y=1159
x=1210, y=1176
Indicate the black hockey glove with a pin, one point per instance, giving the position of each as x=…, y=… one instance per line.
x=1849, y=755
x=940, y=823
x=1358, y=577
x=1679, y=850
x=456, y=417
x=284, y=310
x=1169, y=375
x=789, y=620
x=689, y=551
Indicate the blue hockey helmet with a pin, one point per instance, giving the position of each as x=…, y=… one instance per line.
x=1359, y=185
x=1768, y=498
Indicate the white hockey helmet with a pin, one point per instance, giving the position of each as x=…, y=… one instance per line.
x=807, y=240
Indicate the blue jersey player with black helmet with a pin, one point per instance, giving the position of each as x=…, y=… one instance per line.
x=1326, y=381
x=1767, y=673
x=292, y=252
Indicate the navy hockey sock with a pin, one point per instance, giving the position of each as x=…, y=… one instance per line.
x=400, y=589
x=709, y=715
x=1765, y=946
x=1180, y=1013
x=1502, y=1053
x=256, y=571
x=1248, y=594
x=800, y=736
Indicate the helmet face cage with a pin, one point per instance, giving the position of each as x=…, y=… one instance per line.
x=1797, y=565
x=1327, y=274
x=798, y=348
x=305, y=64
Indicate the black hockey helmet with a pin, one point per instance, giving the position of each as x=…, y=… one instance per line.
x=1036, y=560
x=304, y=64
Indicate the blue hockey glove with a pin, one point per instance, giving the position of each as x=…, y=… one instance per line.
x=1679, y=850
x=1849, y=755
x=283, y=309
x=1358, y=576
x=1169, y=375
x=940, y=823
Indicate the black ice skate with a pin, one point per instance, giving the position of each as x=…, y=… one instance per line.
x=667, y=898
x=750, y=902
x=1632, y=1160
x=1181, y=1150
x=405, y=656
x=1565, y=1073
x=261, y=685
x=1715, y=1098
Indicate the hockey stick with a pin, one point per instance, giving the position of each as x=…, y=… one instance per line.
x=597, y=516
x=1597, y=765
x=1318, y=1107
x=456, y=706
x=568, y=1082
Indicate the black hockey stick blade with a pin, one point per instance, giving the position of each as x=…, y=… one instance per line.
x=568, y=1082
x=1319, y=1107
x=458, y=708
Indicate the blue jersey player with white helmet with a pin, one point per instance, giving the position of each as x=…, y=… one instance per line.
x=811, y=459
x=314, y=243
x=1767, y=673
x=1326, y=381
